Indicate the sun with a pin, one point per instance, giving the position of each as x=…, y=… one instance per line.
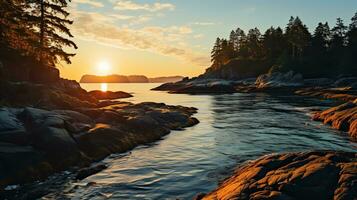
x=103, y=68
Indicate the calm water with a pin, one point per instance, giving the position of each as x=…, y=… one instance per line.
x=234, y=128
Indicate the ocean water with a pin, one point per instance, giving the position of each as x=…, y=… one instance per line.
x=233, y=128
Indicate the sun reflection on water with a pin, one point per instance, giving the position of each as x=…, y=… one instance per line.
x=104, y=87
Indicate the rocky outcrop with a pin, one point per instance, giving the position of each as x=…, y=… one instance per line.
x=342, y=94
x=108, y=95
x=35, y=143
x=278, y=79
x=311, y=175
x=343, y=117
x=199, y=86
x=166, y=79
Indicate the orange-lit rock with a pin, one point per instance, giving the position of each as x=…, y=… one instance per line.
x=311, y=175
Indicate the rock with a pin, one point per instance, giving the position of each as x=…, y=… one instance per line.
x=8, y=120
x=311, y=175
x=49, y=134
x=199, y=86
x=48, y=141
x=343, y=117
x=88, y=171
x=100, y=95
x=346, y=82
x=19, y=164
x=342, y=94
x=278, y=79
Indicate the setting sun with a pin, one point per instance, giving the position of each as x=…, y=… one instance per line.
x=103, y=68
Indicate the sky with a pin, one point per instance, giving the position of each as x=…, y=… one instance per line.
x=175, y=37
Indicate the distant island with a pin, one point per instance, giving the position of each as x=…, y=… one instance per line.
x=128, y=79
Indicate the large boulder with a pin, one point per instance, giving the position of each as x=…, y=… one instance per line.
x=278, y=79
x=12, y=129
x=49, y=134
x=311, y=175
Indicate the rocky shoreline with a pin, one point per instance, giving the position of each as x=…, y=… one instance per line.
x=309, y=175
x=343, y=90
x=302, y=175
x=63, y=126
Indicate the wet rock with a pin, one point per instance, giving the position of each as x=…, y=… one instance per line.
x=311, y=175
x=109, y=95
x=343, y=94
x=88, y=171
x=199, y=86
x=48, y=141
x=343, y=117
x=278, y=79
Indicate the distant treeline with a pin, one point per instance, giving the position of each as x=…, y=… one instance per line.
x=35, y=30
x=326, y=52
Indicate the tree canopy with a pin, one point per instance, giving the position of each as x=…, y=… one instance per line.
x=325, y=52
x=36, y=29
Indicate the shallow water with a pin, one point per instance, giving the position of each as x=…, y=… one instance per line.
x=234, y=128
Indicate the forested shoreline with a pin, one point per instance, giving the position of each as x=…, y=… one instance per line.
x=325, y=52
x=33, y=36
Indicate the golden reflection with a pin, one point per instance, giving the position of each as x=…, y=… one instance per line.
x=104, y=87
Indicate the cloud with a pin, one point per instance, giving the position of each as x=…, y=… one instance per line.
x=89, y=2
x=198, y=36
x=204, y=23
x=130, y=5
x=167, y=41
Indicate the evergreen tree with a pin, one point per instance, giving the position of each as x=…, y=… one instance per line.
x=15, y=33
x=338, y=35
x=297, y=36
x=254, y=43
x=352, y=32
x=233, y=40
x=273, y=44
x=50, y=19
x=321, y=38
x=215, y=53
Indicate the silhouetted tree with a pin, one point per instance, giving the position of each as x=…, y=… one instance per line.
x=338, y=35
x=297, y=36
x=325, y=53
x=273, y=44
x=15, y=33
x=254, y=44
x=215, y=53
x=51, y=22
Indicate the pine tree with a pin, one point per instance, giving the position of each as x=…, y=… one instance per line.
x=297, y=36
x=321, y=38
x=215, y=53
x=352, y=32
x=15, y=33
x=254, y=43
x=338, y=35
x=50, y=19
x=273, y=44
